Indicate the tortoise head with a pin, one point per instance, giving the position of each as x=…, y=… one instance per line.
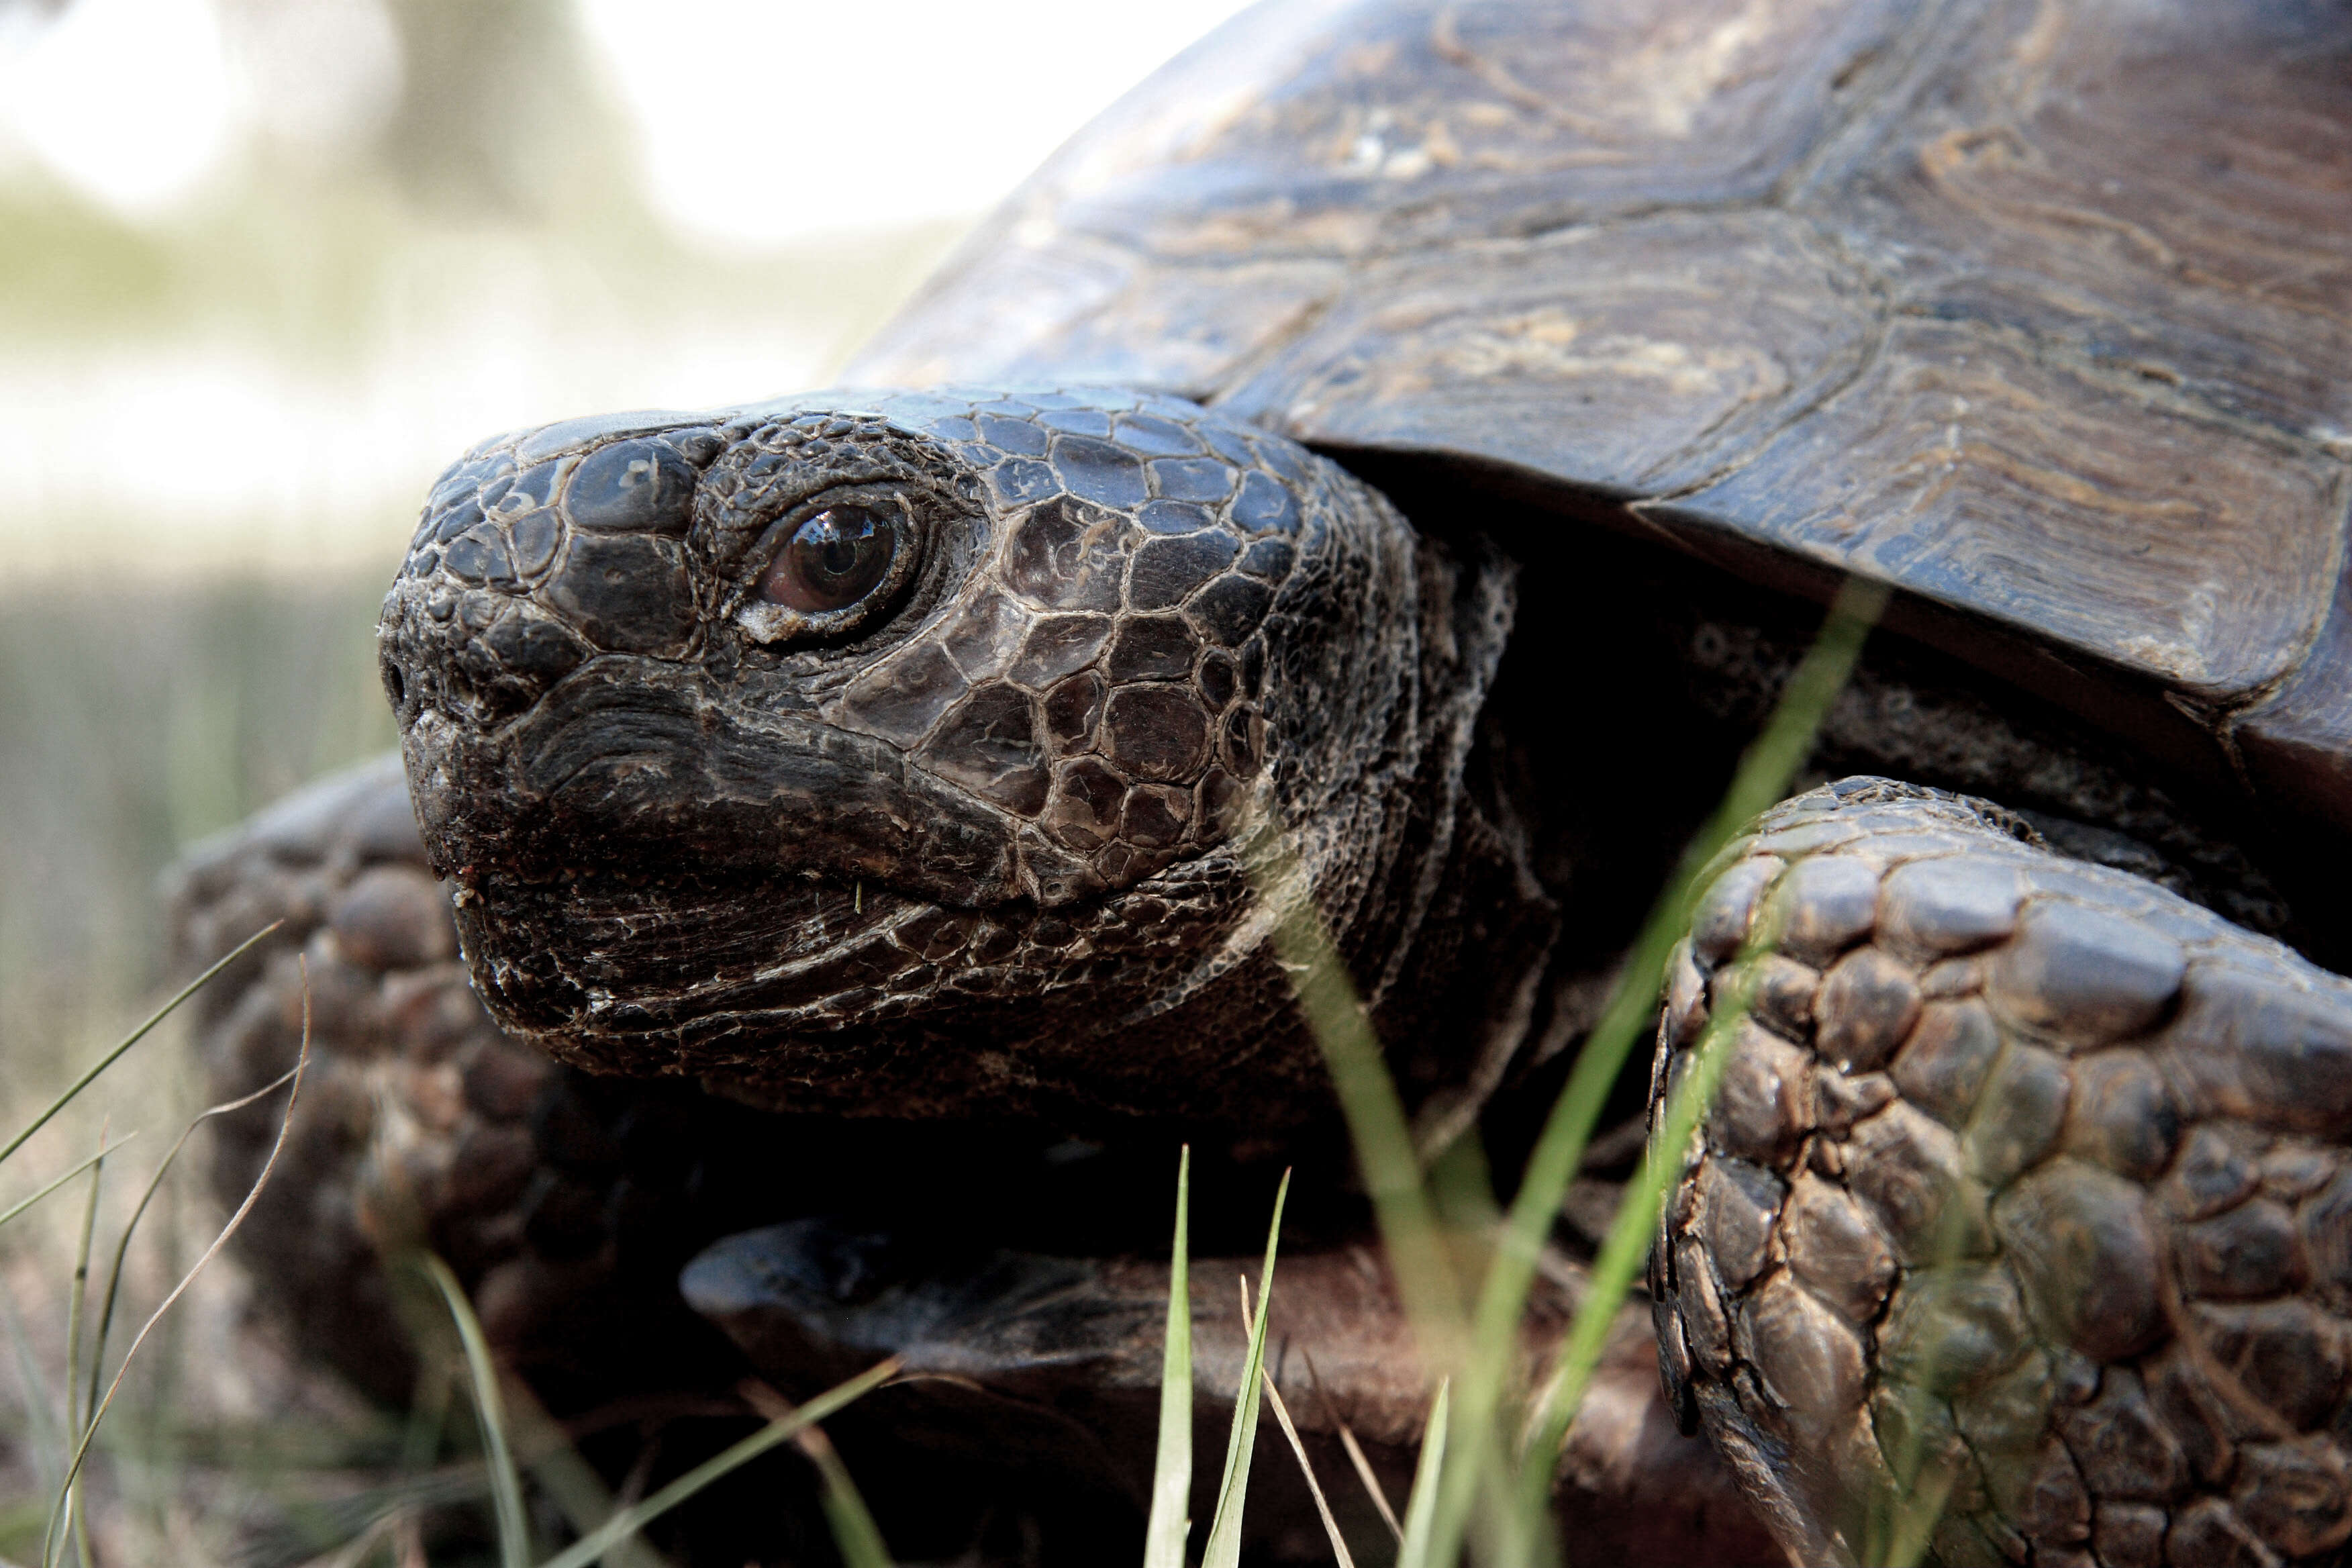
x=893, y=751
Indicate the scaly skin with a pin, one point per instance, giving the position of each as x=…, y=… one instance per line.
x=975, y=846
x=2024, y=1173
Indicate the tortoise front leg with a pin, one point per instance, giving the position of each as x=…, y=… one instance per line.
x=2022, y=1222
x=1044, y=1372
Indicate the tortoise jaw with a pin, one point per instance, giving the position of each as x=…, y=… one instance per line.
x=639, y=862
x=651, y=775
x=594, y=965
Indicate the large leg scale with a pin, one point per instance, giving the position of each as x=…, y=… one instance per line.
x=2026, y=1188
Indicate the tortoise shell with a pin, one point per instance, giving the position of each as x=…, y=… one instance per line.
x=2035, y=313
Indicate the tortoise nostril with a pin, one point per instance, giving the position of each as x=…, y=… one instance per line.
x=395, y=686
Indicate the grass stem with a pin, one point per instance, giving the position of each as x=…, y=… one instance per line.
x=1377, y=1127
x=1306, y=1467
x=854, y=1534
x=77, y=1519
x=21, y=1204
x=131, y=1227
x=1224, y=1547
x=1171, y=1475
x=585, y=1550
x=1627, y=1246
x=489, y=1411
x=1763, y=776
x=1421, y=1507
x=252, y=1196
x=137, y=1034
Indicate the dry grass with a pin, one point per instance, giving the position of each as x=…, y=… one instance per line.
x=217, y=1431
x=131, y=722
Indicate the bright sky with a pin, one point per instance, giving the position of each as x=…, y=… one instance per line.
x=766, y=119
x=760, y=123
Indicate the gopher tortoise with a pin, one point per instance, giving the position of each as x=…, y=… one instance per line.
x=1424, y=434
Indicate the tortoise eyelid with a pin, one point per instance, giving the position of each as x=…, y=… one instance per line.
x=785, y=618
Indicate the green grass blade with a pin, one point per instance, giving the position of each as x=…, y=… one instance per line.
x=1377, y=1128
x=566, y=1479
x=854, y=1534
x=108, y=1060
x=1171, y=1476
x=21, y=1204
x=579, y=1494
x=1627, y=1246
x=80, y=1288
x=1901, y=1521
x=589, y=1548
x=1911, y=1522
x=69, y=1513
x=1224, y=1548
x=1421, y=1508
x=429, y=1414
x=489, y=1409
x=1763, y=776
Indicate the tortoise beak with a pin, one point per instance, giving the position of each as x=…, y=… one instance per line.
x=637, y=766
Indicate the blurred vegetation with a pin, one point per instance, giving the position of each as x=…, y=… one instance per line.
x=501, y=138
x=176, y=649
x=133, y=720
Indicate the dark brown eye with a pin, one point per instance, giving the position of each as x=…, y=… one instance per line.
x=831, y=561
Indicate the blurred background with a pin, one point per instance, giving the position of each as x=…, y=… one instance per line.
x=266, y=265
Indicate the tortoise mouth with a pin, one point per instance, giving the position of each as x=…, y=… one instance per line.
x=605, y=953
x=648, y=868
x=651, y=775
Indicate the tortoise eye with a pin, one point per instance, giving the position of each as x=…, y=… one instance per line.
x=832, y=560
